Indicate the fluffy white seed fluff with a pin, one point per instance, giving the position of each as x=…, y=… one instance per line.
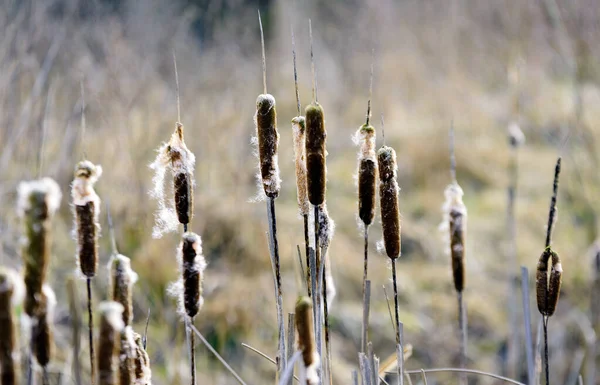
x=309, y=374
x=82, y=188
x=50, y=299
x=46, y=186
x=271, y=182
x=365, y=141
x=175, y=157
x=326, y=226
x=113, y=313
x=126, y=266
x=453, y=202
x=15, y=283
x=175, y=289
x=517, y=137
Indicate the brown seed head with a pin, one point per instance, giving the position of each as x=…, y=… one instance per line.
x=9, y=352
x=268, y=143
x=38, y=201
x=299, y=128
x=142, y=371
x=548, y=281
x=127, y=354
x=315, y=153
x=326, y=226
x=388, y=196
x=111, y=325
x=455, y=218
x=42, y=328
x=86, y=205
x=305, y=331
x=367, y=173
x=122, y=278
x=188, y=289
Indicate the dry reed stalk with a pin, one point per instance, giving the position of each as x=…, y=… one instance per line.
x=326, y=231
x=390, y=221
x=86, y=207
x=188, y=289
x=306, y=342
x=516, y=140
x=11, y=295
x=75, y=328
x=367, y=180
x=268, y=143
x=111, y=326
x=175, y=157
x=549, y=272
x=142, y=371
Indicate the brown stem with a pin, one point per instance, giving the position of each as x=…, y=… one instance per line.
x=91, y=331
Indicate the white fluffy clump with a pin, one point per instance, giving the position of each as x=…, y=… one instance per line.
x=365, y=141
x=125, y=266
x=142, y=360
x=113, y=313
x=326, y=226
x=82, y=188
x=176, y=289
x=129, y=350
x=46, y=187
x=516, y=135
x=453, y=203
x=175, y=157
x=15, y=283
x=310, y=374
x=50, y=299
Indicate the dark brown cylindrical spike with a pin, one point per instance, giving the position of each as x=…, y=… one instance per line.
x=268, y=143
x=388, y=194
x=315, y=154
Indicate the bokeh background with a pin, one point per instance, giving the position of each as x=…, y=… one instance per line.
x=482, y=65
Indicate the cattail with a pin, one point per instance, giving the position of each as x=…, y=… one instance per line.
x=455, y=220
x=268, y=143
x=299, y=129
x=111, y=325
x=86, y=204
x=142, y=371
x=122, y=278
x=42, y=328
x=188, y=289
x=367, y=173
x=11, y=294
x=127, y=354
x=180, y=161
x=388, y=194
x=548, y=280
x=315, y=153
x=38, y=201
x=306, y=340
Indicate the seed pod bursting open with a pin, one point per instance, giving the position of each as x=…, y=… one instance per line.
x=188, y=289
x=306, y=340
x=86, y=204
x=455, y=216
x=299, y=128
x=37, y=202
x=315, y=153
x=367, y=173
x=143, y=374
x=326, y=226
x=548, y=280
x=268, y=143
x=388, y=196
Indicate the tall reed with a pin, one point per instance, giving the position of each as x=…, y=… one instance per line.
x=268, y=142
x=86, y=207
x=111, y=326
x=549, y=273
x=390, y=222
x=11, y=295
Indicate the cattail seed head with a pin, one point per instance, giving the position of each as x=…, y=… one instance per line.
x=42, y=328
x=111, y=325
x=127, y=353
x=367, y=173
x=11, y=289
x=122, y=278
x=142, y=371
x=86, y=206
x=306, y=339
x=326, y=226
x=188, y=289
x=299, y=128
x=548, y=281
x=38, y=201
x=268, y=143
x=388, y=196
x=455, y=221
x=315, y=153
x=180, y=161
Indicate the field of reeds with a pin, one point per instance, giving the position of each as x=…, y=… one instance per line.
x=160, y=173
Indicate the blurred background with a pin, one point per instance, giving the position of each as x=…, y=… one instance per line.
x=481, y=65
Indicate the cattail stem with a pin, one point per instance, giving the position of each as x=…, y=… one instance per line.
x=75, y=328
x=513, y=346
x=462, y=326
x=399, y=344
x=281, y=359
x=326, y=320
x=546, y=366
x=91, y=331
x=317, y=294
x=307, y=251
x=192, y=343
x=365, y=321
x=45, y=376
